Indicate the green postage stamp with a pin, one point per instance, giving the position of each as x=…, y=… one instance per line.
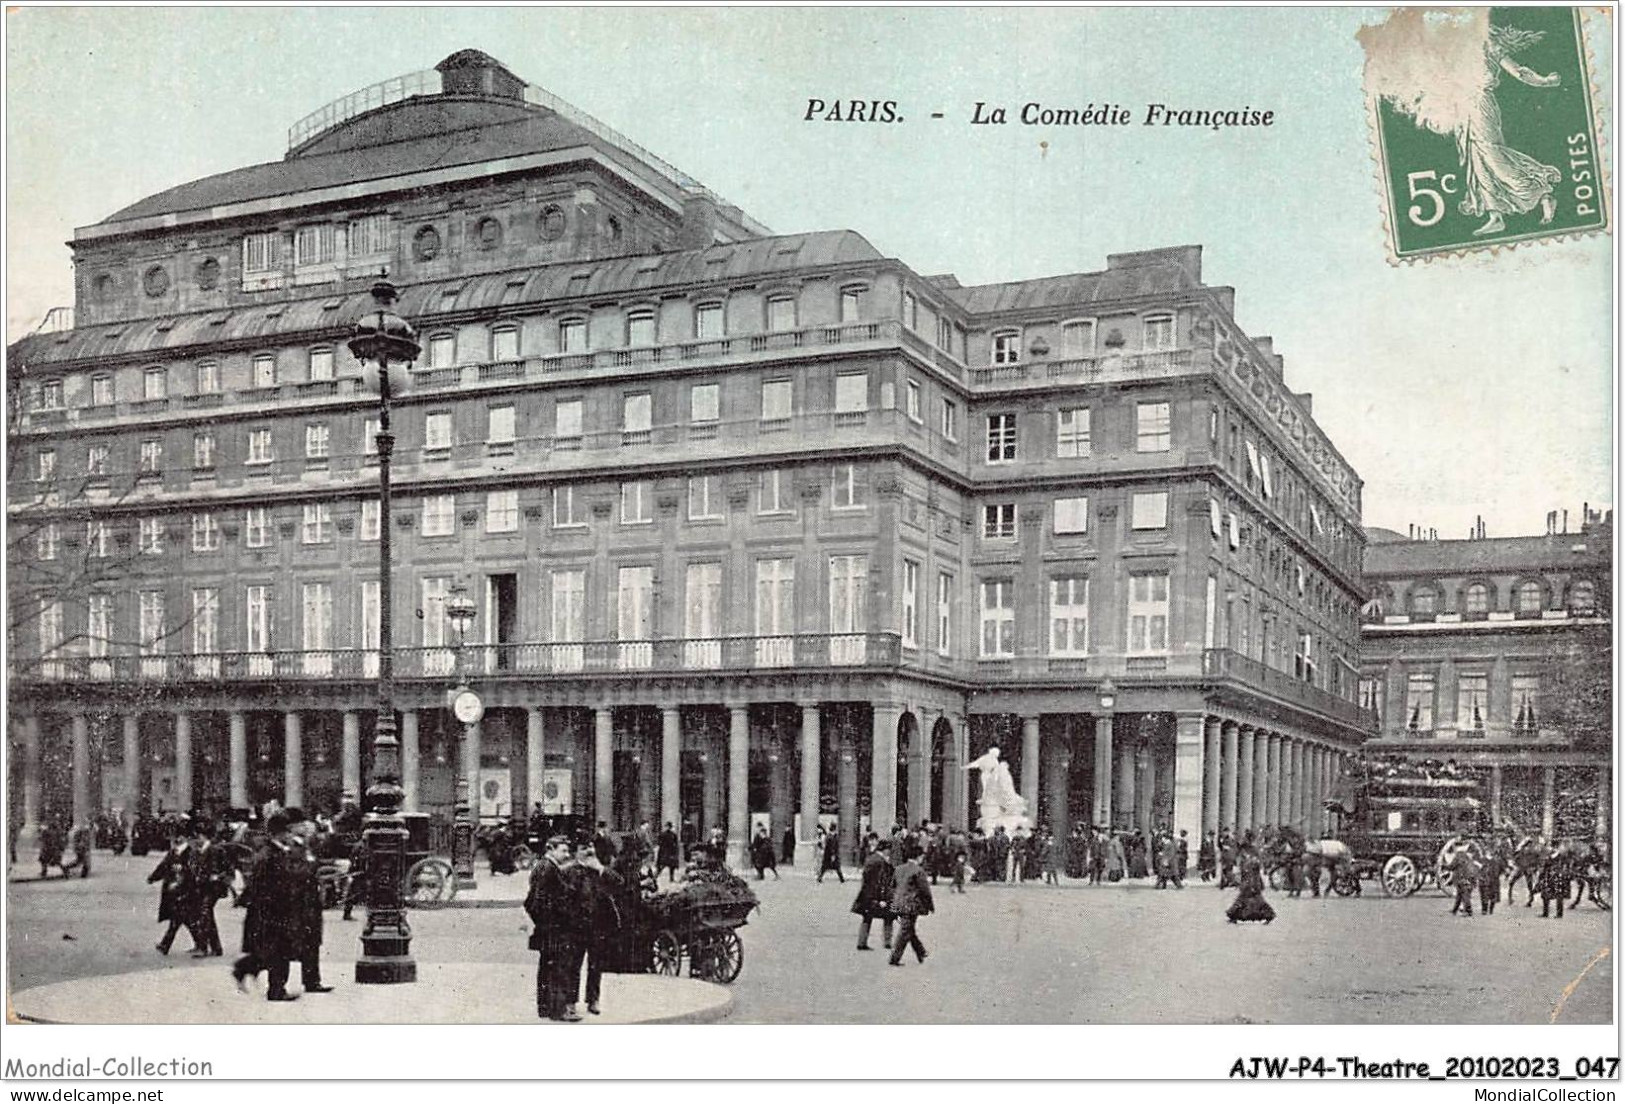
x=1485, y=128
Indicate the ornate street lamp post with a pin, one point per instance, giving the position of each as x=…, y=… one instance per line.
x=466, y=707
x=385, y=343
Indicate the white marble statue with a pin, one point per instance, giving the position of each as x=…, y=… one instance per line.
x=998, y=800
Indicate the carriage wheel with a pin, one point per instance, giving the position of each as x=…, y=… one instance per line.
x=429, y=882
x=1602, y=890
x=523, y=857
x=1400, y=878
x=1345, y=884
x=666, y=955
x=1443, y=877
x=723, y=957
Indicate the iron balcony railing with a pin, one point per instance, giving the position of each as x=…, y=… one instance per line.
x=1223, y=663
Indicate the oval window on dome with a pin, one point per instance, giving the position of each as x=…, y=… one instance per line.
x=551, y=223
x=155, y=281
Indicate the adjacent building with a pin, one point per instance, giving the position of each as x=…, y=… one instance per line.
x=1495, y=653
x=758, y=527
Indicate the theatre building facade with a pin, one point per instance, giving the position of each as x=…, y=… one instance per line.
x=757, y=528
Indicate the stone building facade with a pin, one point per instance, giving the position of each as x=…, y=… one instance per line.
x=757, y=526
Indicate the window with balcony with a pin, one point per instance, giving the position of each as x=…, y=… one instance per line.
x=1529, y=598
x=152, y=458
x=1001, y=438
x=1072, y=433
x=150, y=536
x=1072, y=515
x=704, y=403
x=317, y=441
x=205, y=532
x=150, y=623
x=851, y=305
x=567, y=414
x=439, y=515
x=848, y=608
x=321, y=365
x=775, y=612
x=99, y=628
x=1149, y=510
x=442, y=350
x=709, y=322
x=437, y=431
x=637, y=418
x=1419, y=692
x=1158, y=332
x=264, y=371
x=502, y=511
x=568, y=617
x=564, y=508
x=101, y=390
x=704, y=498
x=1152, y=427
x=371, y=512
x=1472, y=701
x=1078, y=340
x=316, y=622
x=504, y=344
x=1007, y=347
x=573, y=335
x=433, y=591
x=851, y=394
x=318, y=524
x=945, y=613
x=776, y=400
x=912, y=401
x=781, y=314
x=154, y=384
x=499, y=425
x=999, y=520
x=1148, y=615
x=256, y=527
x=635, y=505
x=773, y=491
x=47, y=540
x=911, y=604
x=1069, y=616
x=640, y=328
x=203, y=451
x=845, y=491
x=634, y=616
x=950, y=420
x=1525, y=703
x=998, y=619
x=257, y=607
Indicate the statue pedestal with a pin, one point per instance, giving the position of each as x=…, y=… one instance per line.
x=993, y=818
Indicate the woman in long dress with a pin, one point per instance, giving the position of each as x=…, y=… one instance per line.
x=1249, y=904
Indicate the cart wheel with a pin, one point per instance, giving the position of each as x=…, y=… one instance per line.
x=523, y=857
x=727, y=957
x=666, y=955
x=1443, y=876
x=429, y=882
x=1400, y=877
x=1277, y=877
x=1345, y=885
x=1602, y=890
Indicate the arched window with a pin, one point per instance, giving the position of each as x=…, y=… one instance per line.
x=1475, y=601
x=1424, y=603
x=1528, y=599
x=1583, y=598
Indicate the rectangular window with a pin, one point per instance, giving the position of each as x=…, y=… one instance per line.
x=256, y=528
x=1072, y=432
x=1371, y=697
x=1472, y=702
x=499, y=425
x=999, y=520
x=564, y=507
x=370, y=630
x=911, y=401
x=851, y=392
x=708, y=322
x=317, y=439
x=1078, y=340
x=911, y=604
x=368, y=235
x=781, y=314
x=1001, y=438
x=99, y=626
x=775, y=612
x=848, y=608
x=704, y=498
x=203, y=450
x=702, y=615
x=1419, y=703
x=501, y=511
x=998, y=619
x=851, y=305
x=257, y=608
x=370, y=428
x=154, y=384
x=50, y=627
x=321, y=364
x=1159, y=333
x=264, y=371
x=568, y=622
x=950, y=419
x=640, y=329
x=945, y=613
x=314, y=245
x=261, y=252
x=776, y=400
x=434, y=590
x=442, y=350
x=911, y=311
x=1210, y=623
x=1072, y=515
x=47, y=539
x=845, y=493
x=1148, y=615
x=704, y=402
x=1007, y=347
x=504, y=344
x=316, y=600
x=439, y=515
x=773, y=491
x=96, y=460
x=567, y=420
x=437, y=431
x=101, y=389
x=205, y=620
x=151, y=536
x=151, y=623
x=50, y=395
x=205, y=532
x=634, y=616
x=1152, y=430
x=573, y=335
x=371, y=512
x=45, y=461
x=1525, y=702
x=637, y=414
x=318, y=526
x=98, y=539
x=152, y=459
x=635, y=502
x=1150, y=510
x=1069, y=616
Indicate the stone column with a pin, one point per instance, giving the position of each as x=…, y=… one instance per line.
x=1125, y=784
x=83, y=811
x=1272, y=788
x=812, y=751
x=410, y=761
x=1605, y=798
x=293, y=760
x=183, y=761
x=469, y=768
x=955, y=779
x=1548, y=802
x=1145, y=787
x=919, y=771
x=535, y=759
x=1190, y=740
x=1103, y=770
x=1030, y=751
x=1314, y=820
x=1495, y=796
x=1227, y=775
x=132, y=767
x=237, y=757
x=671, y=767
x=846, y=787
x=738, y=784
x=350, y=757
x=1261, y=779
x=883, y=763
x=1210, y=775
x=1057, y=772
x=710, y=788
x=28, y=729
x=1317, y=784
x=1244, y=778
x=603, y=764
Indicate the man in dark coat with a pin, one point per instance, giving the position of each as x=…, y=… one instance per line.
x=911, y=899
x=666, y=853
x=874, y=897
x=596, y=925
x=998, y=854
x=1207, y=857
x=1490, y=864
x=1098, y=848
x=271, y=930
x=761, y=855
x=832, y=856
x=1464, y=878
x=1228, y=852
x=176, y=894
x=306, y=892
x=1555, y=878
x=787, y=847
x=551, y=906
x=212, y=874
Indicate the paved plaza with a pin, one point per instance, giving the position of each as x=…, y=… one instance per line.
x=999, y=954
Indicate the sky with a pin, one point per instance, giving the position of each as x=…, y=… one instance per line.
x=1462, y=387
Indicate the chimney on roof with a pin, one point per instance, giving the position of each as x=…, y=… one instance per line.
x=699, y=228
x=1565, y=521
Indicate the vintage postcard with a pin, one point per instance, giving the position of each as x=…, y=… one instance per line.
x=562, y=519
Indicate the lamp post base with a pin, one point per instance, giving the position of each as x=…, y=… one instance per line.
x=395, y=970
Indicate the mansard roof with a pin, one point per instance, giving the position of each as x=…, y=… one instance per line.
x=1588, y=550
x=1078, y=288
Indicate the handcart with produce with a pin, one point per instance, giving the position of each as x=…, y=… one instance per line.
x=697, y=919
